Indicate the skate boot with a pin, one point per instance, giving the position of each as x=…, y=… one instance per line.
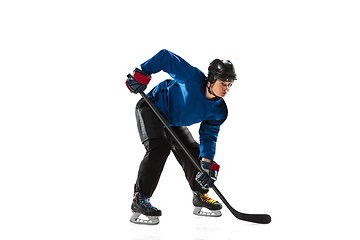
x=202, y=200
x=141, y=206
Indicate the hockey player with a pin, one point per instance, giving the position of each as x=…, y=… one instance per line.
x=189, y=97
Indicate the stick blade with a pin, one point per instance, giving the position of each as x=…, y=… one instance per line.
x=255, y=218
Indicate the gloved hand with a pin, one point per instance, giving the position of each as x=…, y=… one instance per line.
x=207, y=180
x=138, y=82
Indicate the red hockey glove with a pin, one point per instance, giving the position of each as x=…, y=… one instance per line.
x=138, y=82
x=207, y=180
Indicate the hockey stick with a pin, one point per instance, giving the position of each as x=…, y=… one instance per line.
x=255, y=218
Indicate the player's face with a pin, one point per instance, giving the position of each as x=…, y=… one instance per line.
x=221, y=88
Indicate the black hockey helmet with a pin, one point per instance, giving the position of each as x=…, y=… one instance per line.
x=221, y=69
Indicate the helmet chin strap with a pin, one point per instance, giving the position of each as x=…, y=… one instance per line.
x=211, y=92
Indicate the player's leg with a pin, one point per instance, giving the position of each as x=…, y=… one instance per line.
x=157, y=147
x=200, y=198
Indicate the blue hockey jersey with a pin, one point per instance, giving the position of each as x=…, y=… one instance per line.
x=182, y=99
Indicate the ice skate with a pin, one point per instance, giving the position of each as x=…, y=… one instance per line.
x=141, y=206
x=202, y=200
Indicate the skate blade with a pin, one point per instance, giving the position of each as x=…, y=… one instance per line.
x=212, y=213
x=151, y=220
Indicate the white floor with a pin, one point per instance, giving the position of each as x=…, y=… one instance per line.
x=188, y=226
x=227, y=227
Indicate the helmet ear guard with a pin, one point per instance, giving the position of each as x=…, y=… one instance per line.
x=211, y=78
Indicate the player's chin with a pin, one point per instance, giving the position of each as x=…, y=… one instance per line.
x=223, y=94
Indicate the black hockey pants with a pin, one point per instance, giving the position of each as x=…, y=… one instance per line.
x=158, y=143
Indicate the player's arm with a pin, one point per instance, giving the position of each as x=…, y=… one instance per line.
x=174, y=65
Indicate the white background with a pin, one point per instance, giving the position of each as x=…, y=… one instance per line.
x=69, y=145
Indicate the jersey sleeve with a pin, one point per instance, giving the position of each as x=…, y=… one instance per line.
x=166, y=61
x=208, y=132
